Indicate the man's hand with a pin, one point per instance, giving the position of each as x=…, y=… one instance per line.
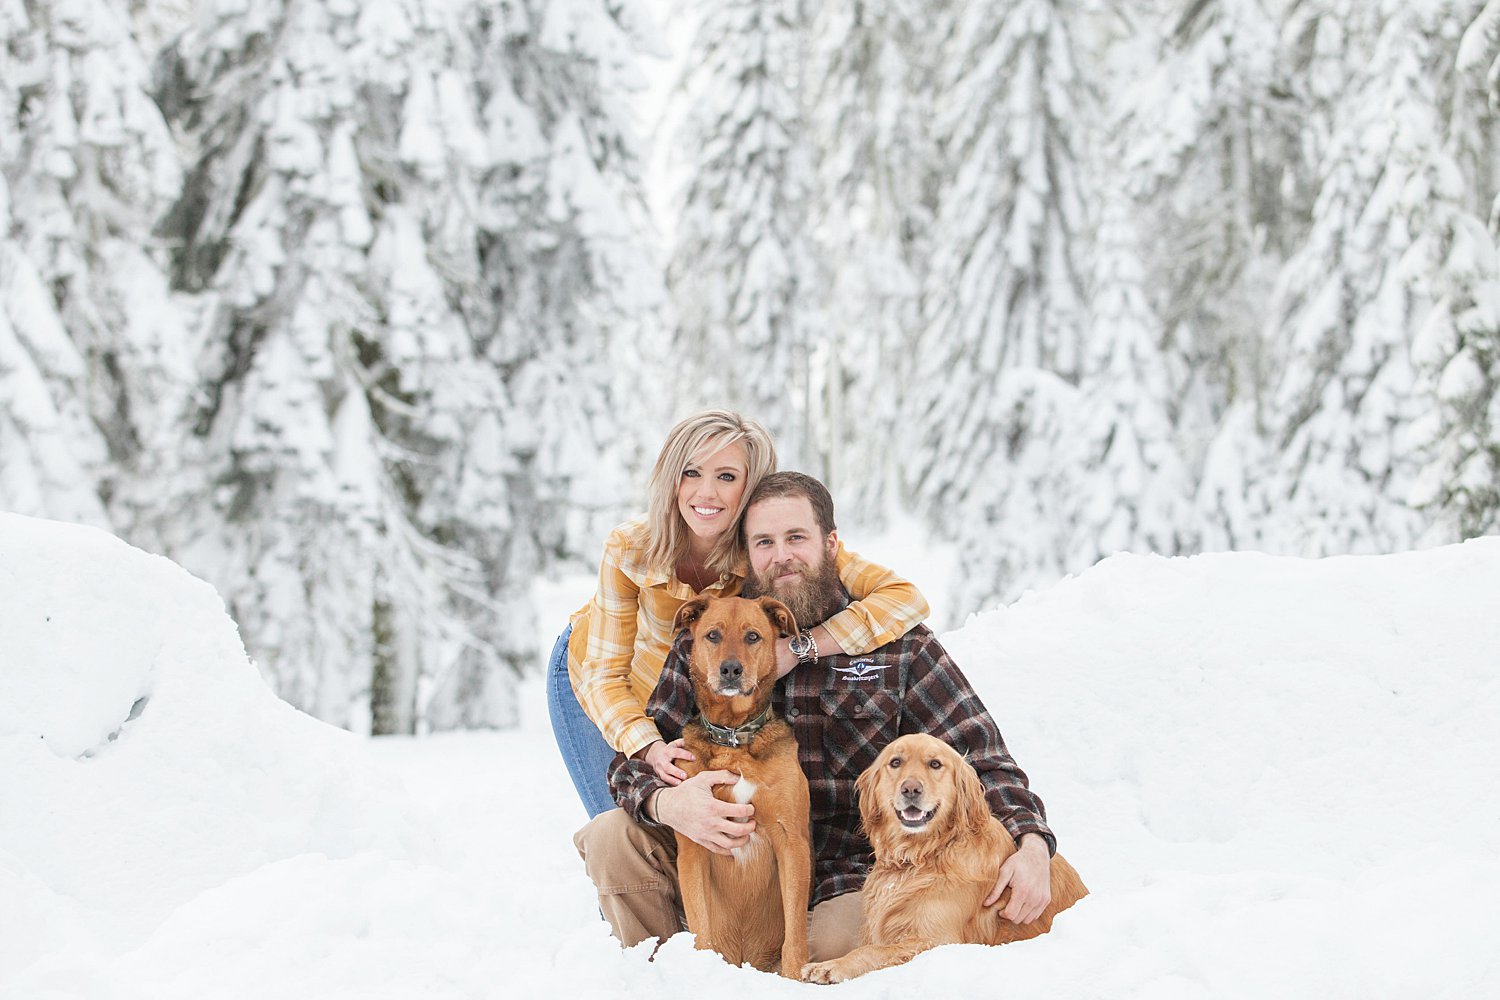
x=1028, y=873
x=661, y=755
x=691, y=810
x=827, y=646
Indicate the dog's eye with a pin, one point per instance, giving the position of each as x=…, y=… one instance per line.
x=935, y=764
x=752, y=637
x=714, y=635
x=896, y=762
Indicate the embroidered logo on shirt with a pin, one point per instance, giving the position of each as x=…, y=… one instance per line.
x=861, y=670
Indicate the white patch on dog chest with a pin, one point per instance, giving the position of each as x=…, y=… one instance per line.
x=751, y=850
x=744, y=790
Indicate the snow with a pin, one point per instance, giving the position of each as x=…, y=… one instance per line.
x=1275, y=775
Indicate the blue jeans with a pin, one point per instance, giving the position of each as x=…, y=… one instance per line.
x=583, y=749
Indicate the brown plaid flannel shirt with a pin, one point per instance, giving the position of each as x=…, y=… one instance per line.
x=844, y=710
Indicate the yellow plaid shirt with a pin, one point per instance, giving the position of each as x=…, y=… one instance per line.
x=621, y=637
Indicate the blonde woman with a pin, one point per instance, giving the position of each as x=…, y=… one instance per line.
x=606, y=662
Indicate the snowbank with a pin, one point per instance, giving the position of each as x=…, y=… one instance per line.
x=1276, y=776
x=144, y=762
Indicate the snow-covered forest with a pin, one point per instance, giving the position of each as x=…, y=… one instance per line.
x=373, y=312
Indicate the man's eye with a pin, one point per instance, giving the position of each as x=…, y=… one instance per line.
x=714, y=635
x=936, y=765
x=896, y=762
x=752, y=637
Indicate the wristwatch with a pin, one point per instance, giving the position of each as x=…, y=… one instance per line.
x=804, y=647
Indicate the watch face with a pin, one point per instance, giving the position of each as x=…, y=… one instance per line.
x=801, y=646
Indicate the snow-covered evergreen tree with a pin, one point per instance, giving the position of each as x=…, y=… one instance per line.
x=50, y=452
x=398, y=230
x=1459, y=345
x=873, y=63
x=303, y=513
x=571, y=294
x=743, y=271
x=1002, y=349
x=1212, y=145
x=572, y=284
x=1136, y=491
x=92, y=359
x=1347, y=413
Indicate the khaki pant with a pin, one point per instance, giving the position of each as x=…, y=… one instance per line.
x=635, y=869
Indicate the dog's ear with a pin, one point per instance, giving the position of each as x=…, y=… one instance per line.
x=973, y=807
x=874, y=810
x=689, y=613
x=780, y=615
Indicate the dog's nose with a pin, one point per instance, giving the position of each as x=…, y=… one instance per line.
x=911, y=788
x=730, y=670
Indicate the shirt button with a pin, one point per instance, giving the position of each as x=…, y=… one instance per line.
x=792, y=713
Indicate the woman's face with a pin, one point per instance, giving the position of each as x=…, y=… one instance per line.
x=709, y=491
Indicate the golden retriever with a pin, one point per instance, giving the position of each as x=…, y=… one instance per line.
x=751, y=907
x=938, y=852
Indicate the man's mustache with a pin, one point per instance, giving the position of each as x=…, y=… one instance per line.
x=770, y=579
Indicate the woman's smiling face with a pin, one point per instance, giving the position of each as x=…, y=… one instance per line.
x=708, y=494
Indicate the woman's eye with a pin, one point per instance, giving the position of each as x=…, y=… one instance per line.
x=896, y=762
x=714, y=635
x=689, y=473
x=752, y=637
x=936, y=765
x=728, y=477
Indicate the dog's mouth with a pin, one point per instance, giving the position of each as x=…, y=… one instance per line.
x=732, y=689
x=915, y=817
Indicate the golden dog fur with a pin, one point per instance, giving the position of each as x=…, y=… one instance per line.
x=928, y=887
x=751, y=907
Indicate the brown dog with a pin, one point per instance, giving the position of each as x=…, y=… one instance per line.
x=938, y=852
x=751, y=907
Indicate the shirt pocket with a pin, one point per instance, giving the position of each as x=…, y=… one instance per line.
x=861, y=721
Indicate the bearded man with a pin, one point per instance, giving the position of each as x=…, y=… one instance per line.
x=843, y=710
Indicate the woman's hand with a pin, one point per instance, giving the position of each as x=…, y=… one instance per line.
x=661, y=755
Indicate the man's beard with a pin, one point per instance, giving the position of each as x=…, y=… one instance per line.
x=813, y=597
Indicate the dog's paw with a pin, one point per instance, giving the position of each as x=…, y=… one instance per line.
x=823, y=972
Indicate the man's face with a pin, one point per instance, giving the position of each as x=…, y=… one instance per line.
x=790, y=559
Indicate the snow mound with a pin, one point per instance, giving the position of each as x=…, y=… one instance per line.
x=1275, y=775
x=1248, y=699
x=143, y=759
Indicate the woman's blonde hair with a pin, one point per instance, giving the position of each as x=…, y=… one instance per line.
x=694, y=439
